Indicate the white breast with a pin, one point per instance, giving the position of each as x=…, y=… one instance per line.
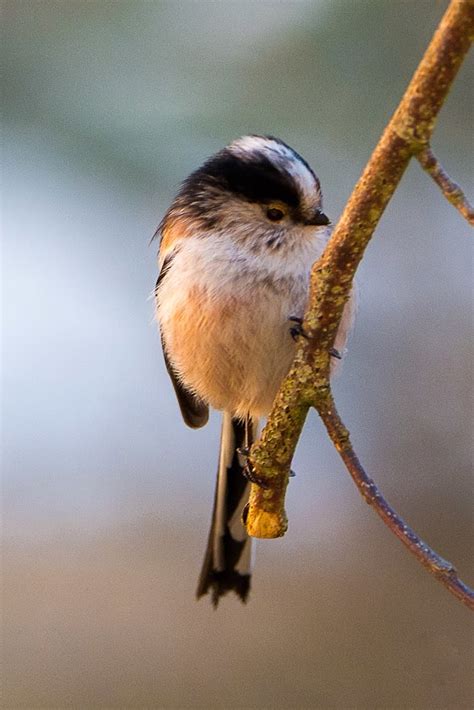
x=224, y=312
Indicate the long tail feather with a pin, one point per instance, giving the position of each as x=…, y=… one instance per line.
x=227, y=562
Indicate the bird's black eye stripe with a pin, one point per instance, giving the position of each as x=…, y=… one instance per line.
x=274, y=214
x=256, y=178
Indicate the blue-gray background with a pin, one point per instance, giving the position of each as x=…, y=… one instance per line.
x=107, y=495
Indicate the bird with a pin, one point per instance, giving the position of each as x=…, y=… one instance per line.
x=236, y=249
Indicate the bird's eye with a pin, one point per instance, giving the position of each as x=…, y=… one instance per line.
x=275, y=214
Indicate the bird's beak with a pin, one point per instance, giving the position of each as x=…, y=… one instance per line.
x=318, y=219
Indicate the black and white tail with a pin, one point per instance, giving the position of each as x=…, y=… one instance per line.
x=228, y=559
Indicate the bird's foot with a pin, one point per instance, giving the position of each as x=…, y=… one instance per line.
x=251, y=475
x=297, y=329
x=248, y=470
x=335, y=353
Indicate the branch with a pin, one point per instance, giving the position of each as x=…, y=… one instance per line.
x=449, y=188
x=307, y=384
x=443, y=570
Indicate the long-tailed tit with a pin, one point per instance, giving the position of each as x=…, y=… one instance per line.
x=237, y=245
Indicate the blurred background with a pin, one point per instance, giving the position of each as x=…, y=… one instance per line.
x=106, y=494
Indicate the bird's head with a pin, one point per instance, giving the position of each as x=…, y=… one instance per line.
x=258, y=191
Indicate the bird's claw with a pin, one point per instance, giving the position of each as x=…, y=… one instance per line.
x=250, y=474
x=248, y=470
x=297, y=329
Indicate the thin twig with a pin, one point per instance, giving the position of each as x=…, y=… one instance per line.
x=443, y=570
x=448, y=187
x=307, y=384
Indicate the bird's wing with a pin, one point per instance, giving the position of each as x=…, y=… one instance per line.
x=195, y=412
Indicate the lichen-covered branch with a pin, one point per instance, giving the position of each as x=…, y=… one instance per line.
x=448, y=187
x=408, y=132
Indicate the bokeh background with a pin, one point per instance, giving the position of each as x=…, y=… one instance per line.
x=106, y=494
